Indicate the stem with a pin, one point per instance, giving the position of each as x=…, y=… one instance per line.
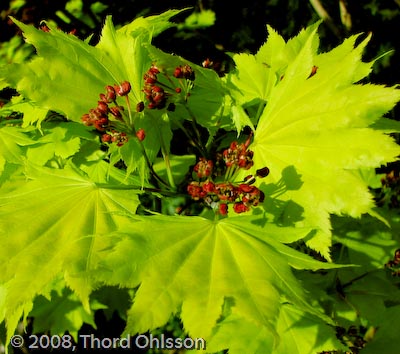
x=143, y=150
x=128, y=103
x=323, y=14
x=191, y=141
x=230, y=172
x=359, y=278
x=149, y=164
x=134, y=187
x=195, y=129
x=165, y=154
x=166, y=86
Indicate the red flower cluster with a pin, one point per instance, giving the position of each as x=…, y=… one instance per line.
x=243, y=196
x=184, y=72
x=155, y=94
x=99, y=117
x=203, y=168
x=115, y=137
x=218, y=195
x=238, y=155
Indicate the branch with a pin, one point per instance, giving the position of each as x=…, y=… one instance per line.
x=323, y=14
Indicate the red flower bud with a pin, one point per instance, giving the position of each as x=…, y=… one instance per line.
x=101, y=124
x=116, y=112
x=141, y=134
x=208, y=187
x=140, y=107
x=86, y=119
x=106, y=138
x=240, y=207
x=154, y=70
x=178, y=72
x=223, y=209
x=102, y=107
x=262, y=172
x=110, y=95
x=245, y=188
x=123, y=89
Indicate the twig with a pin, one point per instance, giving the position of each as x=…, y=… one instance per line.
x=323, y=14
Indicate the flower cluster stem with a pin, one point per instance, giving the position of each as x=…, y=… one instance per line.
x=142, y=148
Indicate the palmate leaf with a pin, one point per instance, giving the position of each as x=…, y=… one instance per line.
x=300, y=333
x=68, y=74
x=320, y=126
x=195, y=264
x=53, y=225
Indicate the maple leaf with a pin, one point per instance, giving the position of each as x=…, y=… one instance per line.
x=300, y=333
x=67, y=74
x=319, y=123
x=196, y=264
x=52, y=225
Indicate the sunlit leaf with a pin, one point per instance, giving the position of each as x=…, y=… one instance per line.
x=53, y=225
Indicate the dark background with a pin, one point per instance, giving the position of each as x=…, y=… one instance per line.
x=239, y=26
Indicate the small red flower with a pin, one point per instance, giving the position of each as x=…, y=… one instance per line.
x=251, y=195
x=226, y=191
x=154, y=70
x=223, y=208
x=196, y=191
x=101, y=124
x=141, y=134
x=123, y=88
x=208, y=187
x=116, y=111
x=240, y=207
x=106, y=138
x=86, y=119
x=110, y=95
x=178, y=72
x=262, y=172
x=245, y=188
x=203, y=168
x=102, y=107
x=140, y=107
